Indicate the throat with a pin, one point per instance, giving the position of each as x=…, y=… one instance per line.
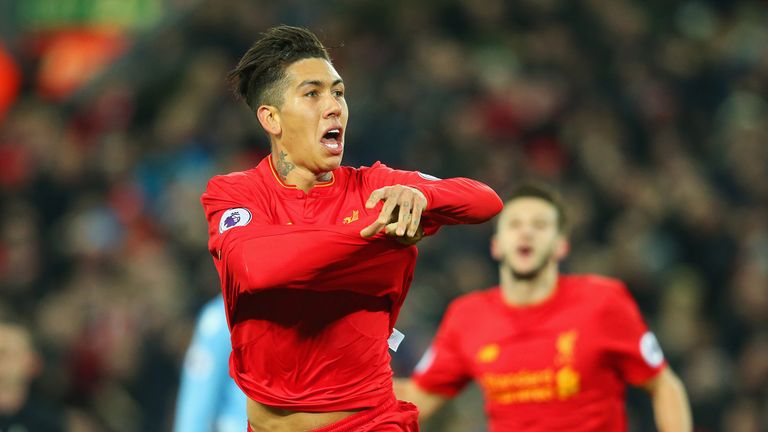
x=292, y=175
x=528, y=291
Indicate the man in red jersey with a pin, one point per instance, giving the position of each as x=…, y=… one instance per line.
x=550, y=352
x=315, y=259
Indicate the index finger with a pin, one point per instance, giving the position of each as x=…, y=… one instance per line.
x=374, y=198
x=372, y=229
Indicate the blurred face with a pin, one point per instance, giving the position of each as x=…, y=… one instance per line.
x=527, y=239
x=17, y=359
x=313, y=117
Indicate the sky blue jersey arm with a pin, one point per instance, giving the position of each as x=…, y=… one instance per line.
x=208, y=399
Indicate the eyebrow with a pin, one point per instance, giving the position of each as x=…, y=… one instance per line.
x=319, y=83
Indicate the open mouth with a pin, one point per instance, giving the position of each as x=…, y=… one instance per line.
x=525, y=250
x=332, y=140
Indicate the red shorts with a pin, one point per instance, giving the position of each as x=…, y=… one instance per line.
x=392, y=416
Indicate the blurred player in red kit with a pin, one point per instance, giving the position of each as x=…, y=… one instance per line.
x=551, y=352
x=315, y=259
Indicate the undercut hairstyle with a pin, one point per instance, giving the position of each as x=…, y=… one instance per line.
x=259, y=77
x=546, y=193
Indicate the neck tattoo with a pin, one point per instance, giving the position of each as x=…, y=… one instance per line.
x=283, y=166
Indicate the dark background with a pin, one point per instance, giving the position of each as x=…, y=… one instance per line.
x=649, y=116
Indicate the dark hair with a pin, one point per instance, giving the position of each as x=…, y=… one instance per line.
x=258, y=77
x=543, y=192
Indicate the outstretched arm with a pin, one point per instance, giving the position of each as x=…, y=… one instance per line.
x=460, y=201
x=252, y=253
x=205, y=375
x=407, y=195
x=670, y=402
x=315, y=258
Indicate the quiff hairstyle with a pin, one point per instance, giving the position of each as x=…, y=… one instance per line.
x=259, y=77
x=546, y=193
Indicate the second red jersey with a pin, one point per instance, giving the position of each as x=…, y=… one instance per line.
x=561, y=365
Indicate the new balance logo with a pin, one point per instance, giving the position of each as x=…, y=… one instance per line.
x=355, y=216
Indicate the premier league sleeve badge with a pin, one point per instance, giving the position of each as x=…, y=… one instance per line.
x=234, y=217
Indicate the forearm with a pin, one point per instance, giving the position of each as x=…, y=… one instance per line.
x=670, y=405
x=309, y=258
x=460, y=201
x=450, y=201
x=204, y=373
x=195, y=403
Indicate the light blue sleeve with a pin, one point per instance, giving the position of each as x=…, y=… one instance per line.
x=208, y=399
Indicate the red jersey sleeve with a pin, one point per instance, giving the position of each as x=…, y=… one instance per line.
x=632, y=349
x=450, y=201
x=443, y=369
x=251, y=253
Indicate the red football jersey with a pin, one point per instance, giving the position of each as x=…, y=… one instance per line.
x=310, y=303
x=561, y=365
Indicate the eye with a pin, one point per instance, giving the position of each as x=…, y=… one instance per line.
x=338, y=93
x=311, y=93
x=540, y=224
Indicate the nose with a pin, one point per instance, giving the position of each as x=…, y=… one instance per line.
x=333, y=107
x=526, y=231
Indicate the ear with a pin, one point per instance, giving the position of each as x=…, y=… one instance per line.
x=35, y=367
x=495, y=248
x=269, y=118
x=562, y=248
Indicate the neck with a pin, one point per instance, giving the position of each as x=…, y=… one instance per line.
x=12, y=398
x=291, y=174
x=528, y=292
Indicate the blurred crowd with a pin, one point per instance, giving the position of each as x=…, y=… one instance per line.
x=650, y=117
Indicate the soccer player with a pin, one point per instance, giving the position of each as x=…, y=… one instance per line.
x=315, y=258
x=549, y=351
x=209, y=400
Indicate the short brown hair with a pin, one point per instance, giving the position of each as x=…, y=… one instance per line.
x=258, y=78
x=546, y=193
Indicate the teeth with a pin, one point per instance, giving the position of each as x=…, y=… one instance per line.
x=333, y=146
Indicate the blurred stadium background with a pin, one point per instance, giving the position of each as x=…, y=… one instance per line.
x=650, y=116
